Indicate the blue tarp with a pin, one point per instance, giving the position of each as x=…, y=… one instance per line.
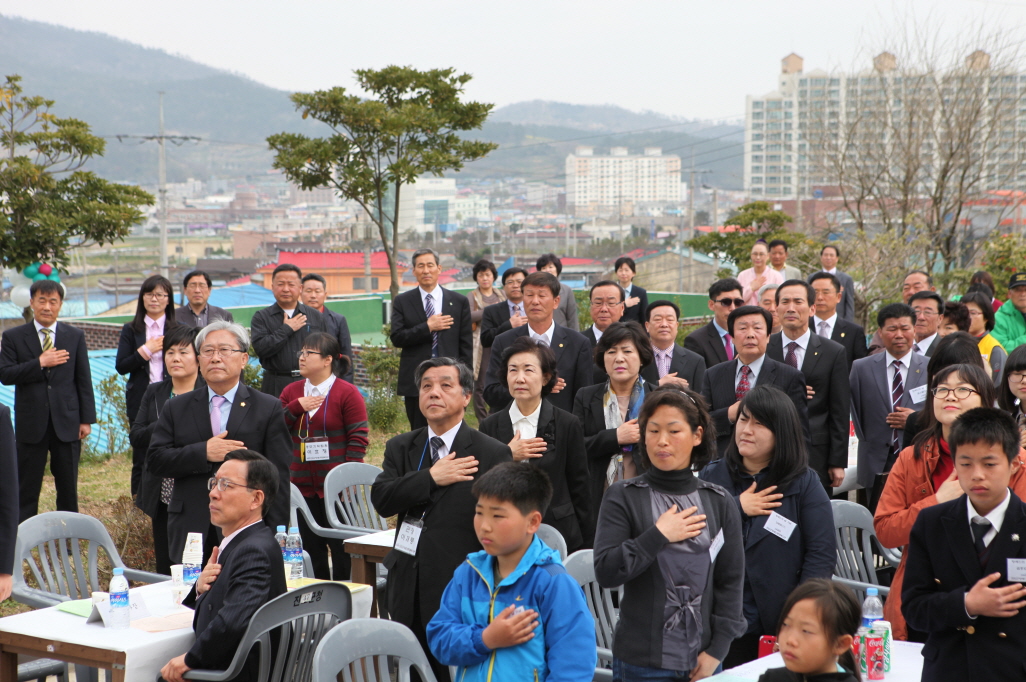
x=244, y=295
x=9, y=311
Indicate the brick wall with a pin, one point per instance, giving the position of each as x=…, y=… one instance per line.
x=100, y=335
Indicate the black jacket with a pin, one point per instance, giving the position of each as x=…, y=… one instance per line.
x=128, y=361
x=405, y=488
x=276, y=344
x=686, y=363
x=637, y=313
x=849, y=335
x=8, y=492
x=706, y=342
x=410, y=333
x=65, y=391
x=338, y=327
x=184, y=315
x=494, y=321
x=566, y=463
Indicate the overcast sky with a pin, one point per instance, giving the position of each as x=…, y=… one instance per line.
x=683, y=58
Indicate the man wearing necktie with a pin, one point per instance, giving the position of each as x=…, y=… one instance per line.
x=426, y=481
x=829, y=325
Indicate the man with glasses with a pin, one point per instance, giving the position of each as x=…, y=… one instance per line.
x=712, y=341
x=929, y=309
x=197, y=429
x=196, y=287
x=607, y=301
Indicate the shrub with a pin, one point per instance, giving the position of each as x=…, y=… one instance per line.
x=385, y=410
x=111, y=420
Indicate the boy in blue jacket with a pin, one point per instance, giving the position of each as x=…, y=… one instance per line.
x=508, y=610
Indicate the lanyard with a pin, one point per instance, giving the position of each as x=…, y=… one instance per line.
x=309, y=421
x=422, y=453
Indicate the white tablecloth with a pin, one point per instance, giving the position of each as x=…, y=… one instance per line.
x=906, y=665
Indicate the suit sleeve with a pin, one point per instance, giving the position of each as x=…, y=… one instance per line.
x=578, y=480
x=84, y=383
x=840, y=412
x=128, y=359
x=817, y=529
x=164, y=458
x=278, y=449
x=13, y=372
x=495, y=394
x=404, y=332
x=466, y=332
x=491, y=327
x=848, y=300
x=926, y=606
x=796, y=390
x=569, y=627
x=697, y=379
x=856, y=400
x=396, y=490
x=268, y=335
x=719, y=415
x=345, y=342
x=691, y=343
x=861, y=349
x=642, y=306
x=572, y=321
x=8, y=492
x=452, y=641
x=619, y=557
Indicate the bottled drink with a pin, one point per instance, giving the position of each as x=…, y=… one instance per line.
x=280, y=537
x=120, y=610
x=872, y=607
x=294, y=558
x=192, y=558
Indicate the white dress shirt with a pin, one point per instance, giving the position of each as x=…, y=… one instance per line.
x=924, y=345
x=996, y=517
x=756, y=366
x=436, y=298
x=597, y=332
x=320, y=389
x=903, y=369
x=42, y=336
x=830, y=322
x=448, y=437
x=545, y=336
x=527, y=425
x=803, y=345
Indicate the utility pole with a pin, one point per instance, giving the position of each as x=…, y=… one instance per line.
x=367, y=259
x=117, y=289
x=716, y=208
x=85, y=281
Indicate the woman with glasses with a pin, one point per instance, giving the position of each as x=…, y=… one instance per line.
x=759, y=275
x=1012, y=389
x=981, y=322
x=327, y=418
x=924, y=474
x=140, y=348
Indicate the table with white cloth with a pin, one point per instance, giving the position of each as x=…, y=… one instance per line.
x=906, y=665
x=132, y=654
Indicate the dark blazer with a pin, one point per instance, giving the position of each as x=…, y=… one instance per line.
x=706, y=342
x=573, y=364
x=825, y=368
x=410, y=332
x=184, y=315
x=142, y=430
x=276, y=344
x=719, y=394
x=849, y=335
x=600, y=442
x=598, y=375
x=686, y=363
x=933, y=346
x=566, y=463
x=494, y=321
x=405, y=488
x=8, y=491
x=64, y=391
x=774, y=566
x=178, y=450
x=846, y=308
x=942, y=566
x=338, y=327
x=252, y=574
x=128, y=361
x=637, y=313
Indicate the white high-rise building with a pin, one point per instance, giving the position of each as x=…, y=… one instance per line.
x=600, y=183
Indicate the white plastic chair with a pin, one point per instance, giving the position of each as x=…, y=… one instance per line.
x=857, y=547
x=370, y=650
x=600, y=602
x=554, y=539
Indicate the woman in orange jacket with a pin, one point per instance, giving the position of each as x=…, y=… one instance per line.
x=924, y=474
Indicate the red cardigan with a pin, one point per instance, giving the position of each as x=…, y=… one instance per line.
x=346, y=430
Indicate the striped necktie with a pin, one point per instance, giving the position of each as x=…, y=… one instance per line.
x=897, y=389
x=47, y=339
x=429, y=309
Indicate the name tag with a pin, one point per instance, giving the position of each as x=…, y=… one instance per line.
x=918, y=394
x=1017, y=570
x=408, y=536
x=716, y=546
x=780, y=525
x=313, y=449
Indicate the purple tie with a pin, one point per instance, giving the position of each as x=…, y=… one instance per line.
x=215, y=414
x=792, y=356
x=728, y=346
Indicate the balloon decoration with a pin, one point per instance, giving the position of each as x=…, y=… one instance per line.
x=21, y=281
x=20, y=296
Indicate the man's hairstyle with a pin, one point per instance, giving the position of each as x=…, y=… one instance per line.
x=837, y=251
x=260, y=474
x=608, y=283
x=826, y=275
x=928, y=296
x=929, y=279
x=236, y=329
x=617, y=333
x=424, y=252
x=287, y=267
x=466, y=375
x=546, y=361
x=180, y=335
x=46, y=286
x=810, y=293
x=149, y=285
x=987, y=425
x=771, y=407
x=541, y=279
x=722, y=286
x=1016, y=362
x=979, y=288
x=484, y=265
x=197, y=273
x=662, y=303
x=314, y=277
x=513, y=271
x=893, y=311
x=771, y=286
x=778, y=242
x=982, y=301
x=527, y=488
x=957, y=314
x=629, y=262
x=745, y=311
x=692, y=406
x=327, y=345
x=547, y=258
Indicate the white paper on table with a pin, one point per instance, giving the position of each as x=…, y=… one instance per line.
x=174, y=621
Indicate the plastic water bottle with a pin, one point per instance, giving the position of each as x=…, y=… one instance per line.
x=294, y=554
x=192, y=558
x=872, y=607
x=120, y=609
x=280, y=537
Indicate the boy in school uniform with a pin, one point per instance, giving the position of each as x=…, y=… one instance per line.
x=511, y=611
x=967, y=560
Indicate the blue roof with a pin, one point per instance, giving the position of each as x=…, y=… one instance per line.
x=9, y=311
x=243, y=295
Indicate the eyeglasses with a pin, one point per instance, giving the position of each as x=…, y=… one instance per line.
x=925, y=313
x=155, y=295
x=605, y=304
x=223, y=484
x=223, y=352
x=197, y=286
x=975, y=313
x=306, y=353
x=1017, y=377
x=962, y=392
x=728, y=302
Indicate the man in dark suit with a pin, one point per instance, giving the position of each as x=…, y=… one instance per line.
x=824, y=365
x=428, y=322
x=929, y=309
x=673, y=363
x=914, y=282
x=426, y=480
x=315, y=291
x=828, y=324
x=574, y=365
x=963, y=578
x=196, y=286
x=712, y=341
x=828, y=257
x=607, y=301
x=48, y=364
x=280, y=329
x=245, y=570
x=197, y=429
x=8, y=501
x=728, y=382
x=505, y=315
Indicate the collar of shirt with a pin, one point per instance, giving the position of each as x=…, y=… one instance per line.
x=831, y=321
x=515, y=416
x=322, y=388
x=40, y=328
x=154, y=325
x=448, y=437
x=668, y=353
x=996, y=516
x=598, y=334
x=722, y=332
x=904, y=360
x=289, y=311
x=436, y=297
x=627, y=290
x=547, y=333
x=513, y=307
x=802, y=341
x=229, y=538
x=229, y=395
x=832, y=272
x=756, y=366
x=924, y=345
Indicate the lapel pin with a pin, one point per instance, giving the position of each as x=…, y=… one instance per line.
x=842, y=335
x=242, y=404
x=1015, y=537
x=560, y=345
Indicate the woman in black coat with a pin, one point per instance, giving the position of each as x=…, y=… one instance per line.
x=635, y=308
x=550, y=438
x=609, y=411
x=141, y=342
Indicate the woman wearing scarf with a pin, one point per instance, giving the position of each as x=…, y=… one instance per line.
x=609, y=411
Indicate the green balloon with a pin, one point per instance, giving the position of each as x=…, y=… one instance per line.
x=54, y=276
x=31, y=271
x=39, y=277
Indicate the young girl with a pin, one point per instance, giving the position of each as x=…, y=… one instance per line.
x=816, y=631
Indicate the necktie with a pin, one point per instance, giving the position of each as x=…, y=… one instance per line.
x=824, y=329
x=915, y=348
x=540, y=338
x=743, y=386
x=897, y=389
x=47, y=339
x=792, y=355
x=728, y=345
x=517, y=312
x=215, y=414
x=429, y=308
x=437, y=446
x=981, y=527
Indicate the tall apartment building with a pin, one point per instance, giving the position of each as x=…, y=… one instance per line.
x=603, y=183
